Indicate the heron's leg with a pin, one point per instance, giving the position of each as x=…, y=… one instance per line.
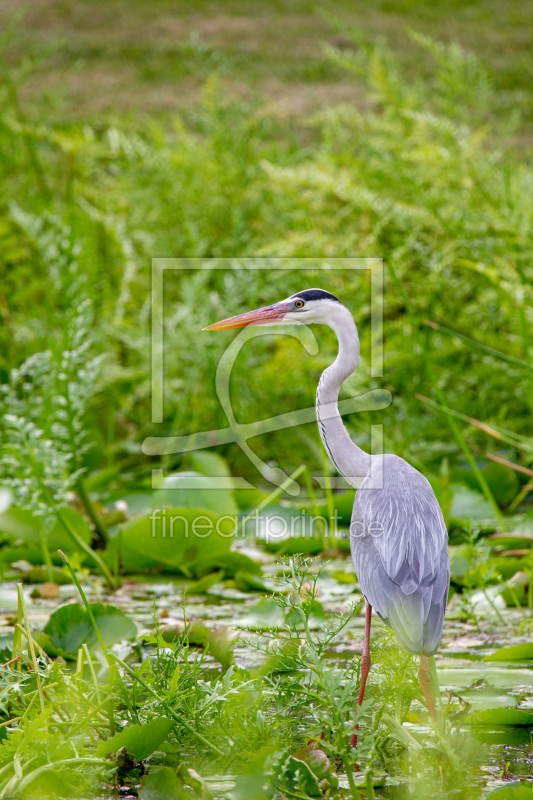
x=366, y=661
x=424, y=677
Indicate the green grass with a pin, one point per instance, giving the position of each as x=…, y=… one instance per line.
x=247, y=130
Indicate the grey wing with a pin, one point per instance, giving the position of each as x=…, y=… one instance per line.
x=400, y=554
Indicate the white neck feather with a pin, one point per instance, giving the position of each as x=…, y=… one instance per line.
x=352, y=462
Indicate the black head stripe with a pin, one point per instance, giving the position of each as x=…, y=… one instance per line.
x=317, y=294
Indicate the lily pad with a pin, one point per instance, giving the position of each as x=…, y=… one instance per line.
x=517, y=652
x=69, y=627
x=161, y=785
x=469, y=504
x=516, y=717
x=174, y=540
x=140, y=740
x=266, y=614
x=22, y=526
x=515, y=790
x=193, y=490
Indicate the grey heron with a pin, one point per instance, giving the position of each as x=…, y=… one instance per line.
x=398, y=537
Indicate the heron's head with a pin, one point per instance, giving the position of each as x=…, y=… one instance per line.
x=303, y=308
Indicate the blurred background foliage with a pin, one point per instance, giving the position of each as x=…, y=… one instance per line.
x=393, y=129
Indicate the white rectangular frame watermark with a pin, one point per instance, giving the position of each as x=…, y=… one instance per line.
x=164, y=445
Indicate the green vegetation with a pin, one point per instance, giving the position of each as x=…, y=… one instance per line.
x=141, y=657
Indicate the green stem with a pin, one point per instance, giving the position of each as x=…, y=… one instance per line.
x=54, y=764
x=370, y=786
x=46, y=550
x=91, y=669
x=165, y=705
x=85, y=547
x=91, y=511
x=516, y=362
x=493, y=605
x=501, y=434
x=25, y=136
x=22, y=605
x=66, y=524
x=88, y=609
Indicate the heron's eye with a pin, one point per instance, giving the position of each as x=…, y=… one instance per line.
x=299, y=303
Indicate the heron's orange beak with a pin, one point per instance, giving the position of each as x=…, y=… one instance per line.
x=261, y=316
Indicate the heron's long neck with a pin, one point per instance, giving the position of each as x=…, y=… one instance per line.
x=352, y=462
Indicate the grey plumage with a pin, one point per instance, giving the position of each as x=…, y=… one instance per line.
x=398, y=536
x=399, y=546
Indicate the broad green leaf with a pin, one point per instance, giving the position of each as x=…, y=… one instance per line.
x=192, y=490
x=511, y=541
x=207, y=462
x=174, y=540
x=459, y=563
x=515, y=790
x=216, y=640
x=5, y=499
x=248, y=499
x=161, y=785
x=307, y=545
x=140, y=740
x=21, y=525
x=69, y=627
x=517, y=652
x=526, y=526
x=250, y=583
x=469, y=504
x=205, y=583
x=317, y=617
x=504, y=716
x=502, y=481
x=304, y=778
x=266, y=614
x=343, y=505
x=460, y=677
x=230, y=561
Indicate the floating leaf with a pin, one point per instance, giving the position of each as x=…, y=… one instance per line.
x=515, y=790
x=460, y=677
x=205, y=583
x=459, y=563
x=517, y=652
x=180, y=540
x=266, y=614
x=231, y=562
x=22, y=526
x=306, y=545
x=469, y=504
x=250, y=583
x=69, y=627
x=192, y=490
x=314, y=610
x=216, y=640
x=140, y=740
x=161, y=785
x=497, y=717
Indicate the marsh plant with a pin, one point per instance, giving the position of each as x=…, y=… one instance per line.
x=427, y=177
